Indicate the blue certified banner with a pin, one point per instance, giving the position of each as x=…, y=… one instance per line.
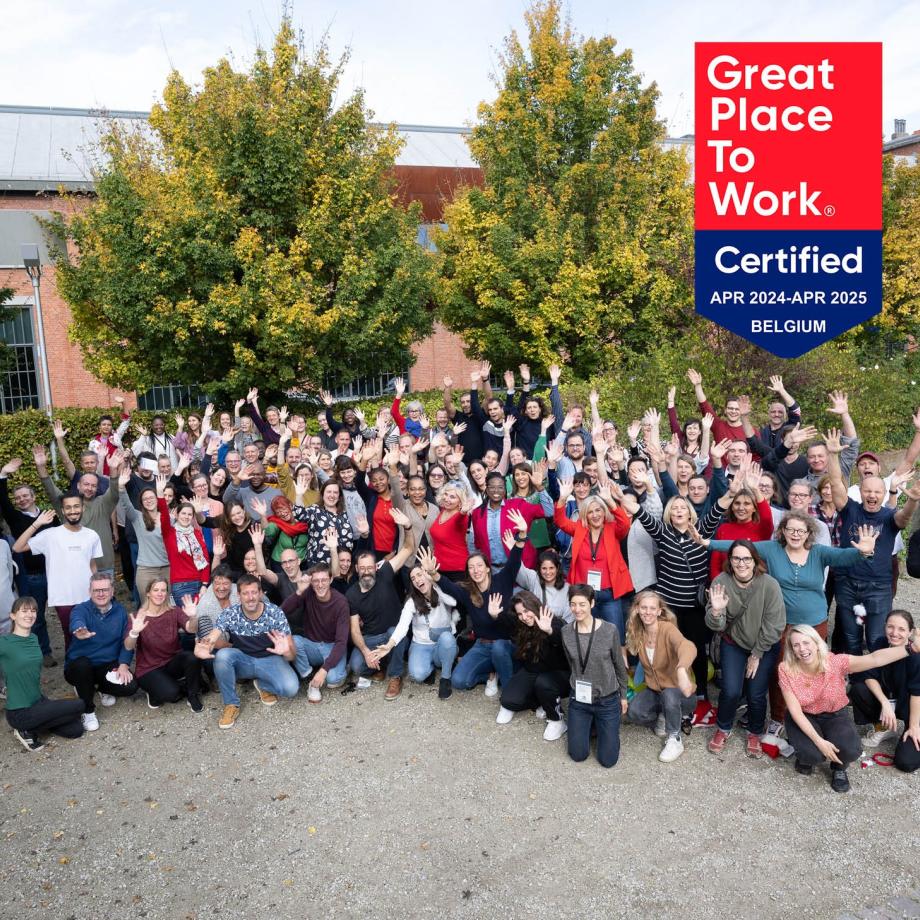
x=788, y=292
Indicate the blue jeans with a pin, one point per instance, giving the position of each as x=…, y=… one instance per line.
x=423, y=659
x=37, y=586
x=875, y=597
x=182, y=589
x=485, y=656
x=604, y=715
x=610, y=608
x=733, y=660
x=274, y=674
x=396, y=660
x=645, y=707
x=312, y=654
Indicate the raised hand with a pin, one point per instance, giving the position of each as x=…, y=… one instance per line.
x=11, y=466
x=189, y=606
x=199, y=504
x=555, y=372
x=509, y=380
x=427, y=560
x=593, y=397
x=83, y=633
x=331, y=539
x=547, y=423
x=495, y=605
x=161, y=480
x=257, y=534
x=399, y=385
x=707, y=421
x=565, y=488
x=140, y=429
x=545, y=620
x=554, y=452
x=180, y=422
x=281, y=642
x=832, y=441
x=839, y=402
x=508, y=539
x=672, y=395
x=252, y=395
x=218, y=547
x=260, y=506
x=44, y=517
x=203, y=650
x=518, y=519
x=326, y=397
x=124, y=476
x=485, y=369
x=538, y=474
x=695, y=377
x=363, y=527
x=744, y=405
x=283, y=415
x=776, y=384
x=448, y=382
x=632, y=432
x=399, y=517
x=460, y=427
x=138, y=621
x=718, y=450
x=718, y=598
x=238, y=405
x=867, y=538
x=39, y=455
x=525, y=373
x=58, y=429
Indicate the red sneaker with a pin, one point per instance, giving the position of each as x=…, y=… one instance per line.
x=753, y=746
x=717, y=741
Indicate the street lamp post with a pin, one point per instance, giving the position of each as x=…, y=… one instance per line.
x=33, y=265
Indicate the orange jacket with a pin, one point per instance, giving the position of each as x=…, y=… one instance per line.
x=614, y=531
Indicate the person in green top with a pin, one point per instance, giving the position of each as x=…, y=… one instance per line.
x=281, y=530
x=28, y=712
x=527, y=481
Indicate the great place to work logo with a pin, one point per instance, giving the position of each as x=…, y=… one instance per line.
x=788, y=189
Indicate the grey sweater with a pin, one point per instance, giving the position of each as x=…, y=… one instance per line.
x=150, y=549
x=755, y=616
x=606, y=669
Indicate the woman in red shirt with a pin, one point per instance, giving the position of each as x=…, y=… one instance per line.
x=596, y=557
x=189, y=563
x=161, y=661
x=748, y=517
x=813, y=681
x=448, y=531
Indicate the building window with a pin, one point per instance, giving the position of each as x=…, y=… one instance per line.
x=369, y=387
x=18, y=374
x=162, y=398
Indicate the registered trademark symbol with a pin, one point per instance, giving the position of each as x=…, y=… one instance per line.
x=829, y=210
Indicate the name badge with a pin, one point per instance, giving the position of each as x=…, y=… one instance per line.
x=594, y=579
x=583, y=691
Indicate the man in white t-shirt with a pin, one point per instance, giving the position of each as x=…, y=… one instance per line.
x=70, y=552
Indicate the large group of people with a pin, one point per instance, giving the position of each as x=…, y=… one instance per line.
x=594, y=576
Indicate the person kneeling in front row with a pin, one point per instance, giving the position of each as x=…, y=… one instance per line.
x=598, y=682
x=96, y=658
x=813, y=681
x=253, y=640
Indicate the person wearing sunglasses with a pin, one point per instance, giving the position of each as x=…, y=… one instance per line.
x=746, y=608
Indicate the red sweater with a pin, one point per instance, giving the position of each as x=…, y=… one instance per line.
x=752, y=530
x=181, y=565
x=448, y=539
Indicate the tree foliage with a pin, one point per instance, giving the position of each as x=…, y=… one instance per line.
x=580, y=239
x=901, y=248
x=250, y=231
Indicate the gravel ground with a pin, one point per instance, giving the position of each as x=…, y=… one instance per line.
x=423, y=808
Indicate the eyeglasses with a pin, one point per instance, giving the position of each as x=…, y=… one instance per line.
x=435, y=475
x=796, y=532
x=743, y=560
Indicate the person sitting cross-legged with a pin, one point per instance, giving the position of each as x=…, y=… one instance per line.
x=252, y=640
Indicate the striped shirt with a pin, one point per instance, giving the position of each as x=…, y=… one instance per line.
x=682, y=564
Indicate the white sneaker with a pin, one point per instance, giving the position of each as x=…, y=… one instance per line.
x=659, y=728
x=313, y=694
x=363, y=683
x=672, y=749
x=106, y=699
x=875, y=737
x=90, y=722
x=777, y=729
x=504, y=716
x=555, y=730
x=492, y=687
x=540, y=713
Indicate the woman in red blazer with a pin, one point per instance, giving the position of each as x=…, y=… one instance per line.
x=596, y=557
x=495, y=500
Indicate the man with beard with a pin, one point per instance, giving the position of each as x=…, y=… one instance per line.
x=375, y=611
x=248, y=485
x=71, y=553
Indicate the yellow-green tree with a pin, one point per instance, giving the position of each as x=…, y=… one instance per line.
x=579, y=243
x=250, y=235
x=901, y=248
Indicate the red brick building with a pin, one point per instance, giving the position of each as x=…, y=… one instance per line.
x=44, y=150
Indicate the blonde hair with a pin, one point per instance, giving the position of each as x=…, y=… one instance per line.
x=588, y=504
x=635, y=628
x=450, y=487
x=809, y=632
x=666, y=514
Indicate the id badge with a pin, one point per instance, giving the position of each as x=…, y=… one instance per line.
x=594, y=579
x=583, y=691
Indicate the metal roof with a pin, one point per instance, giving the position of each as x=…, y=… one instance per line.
x=44, y=148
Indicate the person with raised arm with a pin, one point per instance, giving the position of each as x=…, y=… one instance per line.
x=813, y=680
x=722, y=428
x=189, y=562
x=471, y=437
x=869, y=581
x=375, y=611
x=163, y=669
x=746, y=609
x=574, y=419
x=152, y=558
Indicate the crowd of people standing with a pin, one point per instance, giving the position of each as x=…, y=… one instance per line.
x=591, y=575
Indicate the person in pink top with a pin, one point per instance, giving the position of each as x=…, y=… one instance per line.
x=813, y=681
x=163, y=670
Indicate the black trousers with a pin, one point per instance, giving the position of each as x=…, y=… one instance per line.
x=87, y=678
x=866, y=710
x=528, y=690
x=691, y=621
x=60, y=717
x=836, y=727
x=163, y=683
